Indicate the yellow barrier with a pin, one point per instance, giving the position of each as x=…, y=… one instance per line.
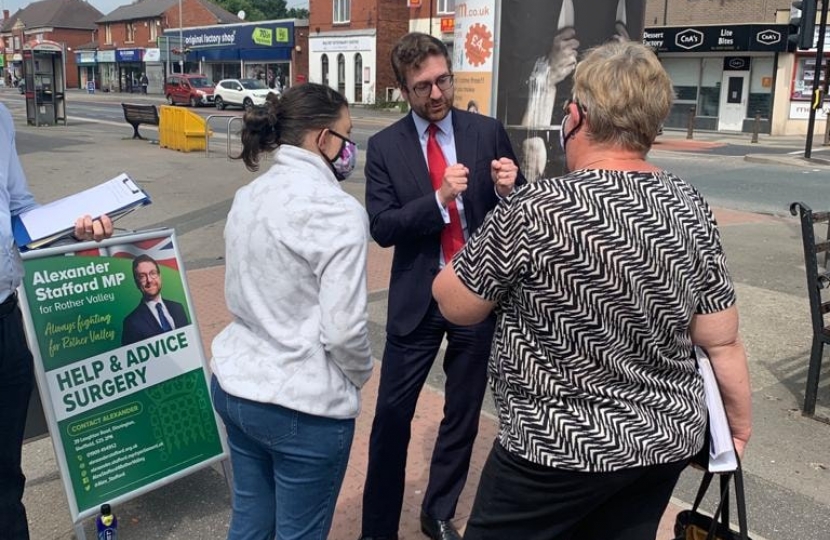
x=180, y=129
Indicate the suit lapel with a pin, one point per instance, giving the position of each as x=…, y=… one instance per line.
x=149, y=318
x=413, y=155
x=466, y=152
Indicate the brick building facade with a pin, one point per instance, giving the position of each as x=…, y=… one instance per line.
x=68, y=22
x=350, y=42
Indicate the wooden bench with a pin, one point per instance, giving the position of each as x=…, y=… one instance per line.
x=136, y=114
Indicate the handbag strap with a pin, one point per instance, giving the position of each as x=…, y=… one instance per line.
x=722, y=510
x=701, y=491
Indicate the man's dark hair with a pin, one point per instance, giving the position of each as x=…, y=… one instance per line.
x=411, y=51
x=143, y=258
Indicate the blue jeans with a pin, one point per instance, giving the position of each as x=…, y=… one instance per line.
x=288, y=467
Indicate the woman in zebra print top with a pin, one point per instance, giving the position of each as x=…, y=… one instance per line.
x=603, y=281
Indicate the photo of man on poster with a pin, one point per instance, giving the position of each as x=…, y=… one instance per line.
x=541, y=41
x=153, y=315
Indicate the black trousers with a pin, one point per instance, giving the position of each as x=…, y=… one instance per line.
x=16, y=380
x=520, y=500
x=406, y=364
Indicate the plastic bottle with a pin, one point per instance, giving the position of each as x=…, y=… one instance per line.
x=106, y=524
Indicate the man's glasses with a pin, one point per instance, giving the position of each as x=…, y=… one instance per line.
x=424, y=88
x=146, y=277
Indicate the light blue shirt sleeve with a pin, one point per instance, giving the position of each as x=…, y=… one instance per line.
x=15, y=198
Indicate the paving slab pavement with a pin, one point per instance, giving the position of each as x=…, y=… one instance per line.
x=787, y=464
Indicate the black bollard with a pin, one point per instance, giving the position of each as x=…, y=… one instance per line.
x=690, y=130
x=756, y=128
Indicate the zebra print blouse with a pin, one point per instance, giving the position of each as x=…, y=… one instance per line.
x=596, y=276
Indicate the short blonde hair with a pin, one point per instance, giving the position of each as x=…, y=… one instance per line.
x=625, y=92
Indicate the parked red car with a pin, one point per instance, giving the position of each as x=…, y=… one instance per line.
x=192, y=89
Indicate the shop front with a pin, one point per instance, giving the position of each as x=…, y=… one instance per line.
x=262, y=50
x=107, y=71
x=130, y=69
x=724, y=75
x=87, y=66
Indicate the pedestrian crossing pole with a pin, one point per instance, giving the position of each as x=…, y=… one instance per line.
x=817, y=90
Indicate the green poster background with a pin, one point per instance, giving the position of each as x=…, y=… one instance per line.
x=89, y=322
x=138, y=439
x=136, y=442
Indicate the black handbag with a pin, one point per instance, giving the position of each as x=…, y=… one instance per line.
x=693, y=525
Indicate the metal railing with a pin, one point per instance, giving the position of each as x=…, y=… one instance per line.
x=818, y=280
x=231, y=118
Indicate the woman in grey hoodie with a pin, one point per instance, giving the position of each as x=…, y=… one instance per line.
x=287, y=371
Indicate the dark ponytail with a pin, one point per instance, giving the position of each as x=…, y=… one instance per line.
x=287, y=118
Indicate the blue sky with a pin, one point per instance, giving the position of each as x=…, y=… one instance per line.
x=106, y=6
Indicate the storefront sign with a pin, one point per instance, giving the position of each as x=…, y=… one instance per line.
x=152, y=55
x=800, y=110
x=340, y=44
x=106, y=57
x=736, y=63
x=447, y=25
x=413, y=3
x=736, y=37
x=127, y=401
x=254, y=35
x=128, y=55
x=85, y=57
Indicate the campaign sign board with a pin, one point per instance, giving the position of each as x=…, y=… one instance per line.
x=125, y=393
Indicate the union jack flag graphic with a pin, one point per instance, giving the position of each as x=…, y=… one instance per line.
x=91, y=252
x=160, y=249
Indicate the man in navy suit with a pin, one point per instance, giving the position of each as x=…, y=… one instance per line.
x=153, y=315
x=430, y=179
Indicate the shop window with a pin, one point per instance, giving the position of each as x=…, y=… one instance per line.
x=760, y=87
x=358, y=78
x=805, y=73
x=324, y=69
x=342, y=11
x=446, y=7
x=684, y=74
x=711, y=77
x=341, y=74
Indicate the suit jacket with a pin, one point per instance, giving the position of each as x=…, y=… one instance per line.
x=141, y=323
x=403, y=211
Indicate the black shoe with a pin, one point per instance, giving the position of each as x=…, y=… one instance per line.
x=438, y=529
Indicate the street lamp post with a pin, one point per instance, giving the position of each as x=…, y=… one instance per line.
x=181, y=40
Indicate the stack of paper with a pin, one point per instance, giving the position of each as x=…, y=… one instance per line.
x=721, y=447
x=45, y=224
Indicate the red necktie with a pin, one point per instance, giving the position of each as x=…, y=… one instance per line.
x=452, y=236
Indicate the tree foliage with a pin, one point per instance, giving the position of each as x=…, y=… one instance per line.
x=262, y=10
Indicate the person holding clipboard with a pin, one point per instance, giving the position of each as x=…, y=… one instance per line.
x=16, y=364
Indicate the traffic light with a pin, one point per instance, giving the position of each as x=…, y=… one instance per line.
x=803, y=27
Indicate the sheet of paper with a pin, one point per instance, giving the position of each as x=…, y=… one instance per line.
x=112, y=197
x=721, y=447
